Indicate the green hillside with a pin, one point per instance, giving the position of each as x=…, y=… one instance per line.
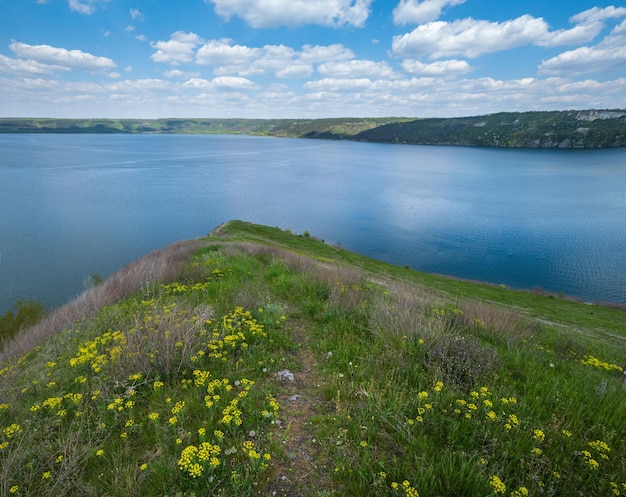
x=294, y=128
x=255, y=361
x=569, y=129
x=556, y=129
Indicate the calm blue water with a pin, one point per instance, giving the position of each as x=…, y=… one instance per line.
x=74, y=205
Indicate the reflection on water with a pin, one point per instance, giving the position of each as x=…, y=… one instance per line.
x=73, y=205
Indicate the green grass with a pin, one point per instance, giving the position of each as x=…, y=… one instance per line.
x=403, y=384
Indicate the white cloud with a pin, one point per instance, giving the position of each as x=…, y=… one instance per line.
x=86, y=7
x=136, y=15
x=147, y=84
x=416, y=11
x=339, y=84
x=297, y=70
x=9, y=65
x=178, y=74
x=589, y=24
x=220, y=83
x=608, y=55
x=472, y=38
x=584, y=60
x=284, y=62
x=356, y=69
x=223, y=52
x=596, y=14
x=468, y=37
x=273, y=58
x=273, y=13
x=60, y=57
x=449, y=67
x=236, y=97
x=141, y=37
x=233, y=82
x=617, y=37
x=322, y=53
x=178, y=49
x=197, y=84
x=576, y=35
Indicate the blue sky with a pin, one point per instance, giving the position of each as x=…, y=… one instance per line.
x=308, y=58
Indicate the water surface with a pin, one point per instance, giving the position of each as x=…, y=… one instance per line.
x=74, y=205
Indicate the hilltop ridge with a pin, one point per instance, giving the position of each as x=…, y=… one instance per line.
x=256, y=361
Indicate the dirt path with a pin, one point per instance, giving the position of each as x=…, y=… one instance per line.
x=303, y=471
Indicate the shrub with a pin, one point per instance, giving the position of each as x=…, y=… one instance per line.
x=27, y=313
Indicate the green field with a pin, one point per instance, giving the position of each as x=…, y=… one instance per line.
x=256, y=361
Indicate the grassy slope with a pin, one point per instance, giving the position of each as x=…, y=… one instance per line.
x=403, y=383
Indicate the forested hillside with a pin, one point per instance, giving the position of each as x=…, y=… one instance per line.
x=554, y=129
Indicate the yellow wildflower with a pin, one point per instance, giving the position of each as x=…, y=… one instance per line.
x=497, y=485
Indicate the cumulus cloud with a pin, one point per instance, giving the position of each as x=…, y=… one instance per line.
x=220, y=83
x=9, y=65
x=233, y=82
x=449, y=67
x=339, y=84
x=60, y=58
x=296, y=70
x=177, y=50
x=273, y=13
x=223, y=52
x=468, y=37
x=597, y=14
x=578, y=34
x=313, y=54
x=588, y=25
x=229, y=58
x=178, y=74
x=86, y=7
x=146, y=84
x=585, y=60
x=471, y=37
x=356, y=69
x=608, y=55
x=416, y=11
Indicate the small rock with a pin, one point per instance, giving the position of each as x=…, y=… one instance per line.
x=286, y=375
x=294, y=398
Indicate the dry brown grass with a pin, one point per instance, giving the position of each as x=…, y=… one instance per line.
x=505, y=323
x=163, y=265
x=161, y=343
x=400, y=311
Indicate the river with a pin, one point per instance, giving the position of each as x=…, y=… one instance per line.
x=75, y=205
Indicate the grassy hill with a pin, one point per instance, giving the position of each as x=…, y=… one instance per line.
x=556, y=129
x=259, y=362
x=334, y=128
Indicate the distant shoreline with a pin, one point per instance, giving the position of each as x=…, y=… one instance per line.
x=575, y=129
